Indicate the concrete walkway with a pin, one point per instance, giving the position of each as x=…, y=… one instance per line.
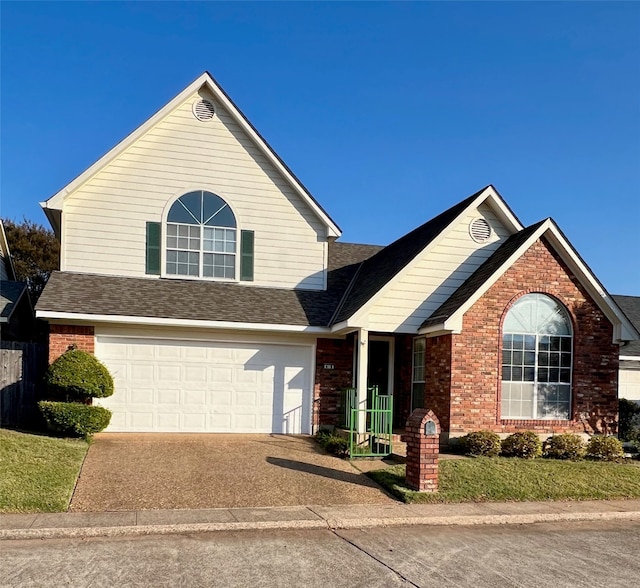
x=163, y=522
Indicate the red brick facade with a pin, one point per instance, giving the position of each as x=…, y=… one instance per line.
x=62, y=336
x=475, y=353
x=422, y=451
x=334, y=372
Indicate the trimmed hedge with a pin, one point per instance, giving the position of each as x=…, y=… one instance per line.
x=78, y=375
x=565, y=446
x=479, y=443
x=75, y=419
x=524, y=444
x=629, y=420
x=604, y=448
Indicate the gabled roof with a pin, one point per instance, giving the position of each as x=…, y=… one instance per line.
x=630, y=305
x=207, y=81
x=376, y=272
x=448, y=318
x=195, y=302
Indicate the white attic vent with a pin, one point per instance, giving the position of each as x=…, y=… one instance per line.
x=203, y=110
x=480, y=230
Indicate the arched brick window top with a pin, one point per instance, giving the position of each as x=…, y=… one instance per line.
x=537, y=357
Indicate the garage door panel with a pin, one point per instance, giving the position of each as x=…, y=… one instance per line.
x=216, y=387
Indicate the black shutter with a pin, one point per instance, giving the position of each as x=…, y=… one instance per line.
x=153, y=248
x=246, y=256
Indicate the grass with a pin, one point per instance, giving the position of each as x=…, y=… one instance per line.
x=493, y=479
x=37, y=473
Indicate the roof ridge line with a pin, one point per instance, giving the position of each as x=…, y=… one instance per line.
x=346, y=293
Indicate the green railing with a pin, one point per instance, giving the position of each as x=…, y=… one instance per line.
x=348, y=399
x=374, y=437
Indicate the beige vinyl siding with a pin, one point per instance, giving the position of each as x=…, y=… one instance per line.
x=629, y=381
x=104, y=219
x=429, y=281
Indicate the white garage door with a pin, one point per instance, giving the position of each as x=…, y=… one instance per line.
x=182, y=386
x=629, y=384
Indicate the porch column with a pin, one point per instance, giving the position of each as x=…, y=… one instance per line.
x=362, y=376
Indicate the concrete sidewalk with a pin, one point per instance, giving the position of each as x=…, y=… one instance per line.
x=163, y=522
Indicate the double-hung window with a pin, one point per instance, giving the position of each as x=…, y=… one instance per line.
x=417, y=377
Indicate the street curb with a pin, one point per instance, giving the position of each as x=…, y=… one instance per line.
x=336, y=524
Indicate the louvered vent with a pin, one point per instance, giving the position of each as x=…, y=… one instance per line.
x=203, y=110
x=480, y=230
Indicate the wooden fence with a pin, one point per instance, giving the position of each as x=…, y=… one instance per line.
x=22, y=366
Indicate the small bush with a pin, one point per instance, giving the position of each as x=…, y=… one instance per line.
x=522, y=444
x=78, y=375
x=333, y=443
x=478, y=443
x=75, y=419
x=604, y=448
x=629, y=421
x=565, y=446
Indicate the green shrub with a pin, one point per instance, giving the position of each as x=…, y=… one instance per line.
x=78, y=375
x=629, y=420
x=75, y=419
x=565, y=446
x=481, y=443
x=604, y=448
x=333, y=443
x=522, y=444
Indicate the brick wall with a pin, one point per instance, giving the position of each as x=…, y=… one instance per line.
x=402, y=375
x=62, y=336
x=437, y=387
x=476, y=367
x=329, y=382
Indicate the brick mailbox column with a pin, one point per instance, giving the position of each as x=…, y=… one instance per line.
x=423, y=445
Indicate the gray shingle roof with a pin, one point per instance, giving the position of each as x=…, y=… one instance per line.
x=380, y=269
x=10, y=294
x=206, y=301
x=630, y=305
x=480, y=276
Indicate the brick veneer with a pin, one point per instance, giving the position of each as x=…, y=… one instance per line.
x=422, y=452
x=62, y=336
x=329, y=382
x=475, y=369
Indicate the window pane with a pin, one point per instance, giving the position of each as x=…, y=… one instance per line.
x=506, y=373
x=565, y=375
x=565, y=344
x=565, y=360
x=554, y=359
x=529, y=374
x=530, y=342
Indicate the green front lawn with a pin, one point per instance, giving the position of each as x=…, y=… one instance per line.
x=509, y=479
x=37, y=473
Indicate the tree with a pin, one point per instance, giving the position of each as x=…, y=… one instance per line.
x=35, y=252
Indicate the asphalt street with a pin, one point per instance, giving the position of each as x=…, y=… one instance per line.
x=577, y=554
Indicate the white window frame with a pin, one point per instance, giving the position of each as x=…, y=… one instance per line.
x=413, y=366
x=536, y=382
x=164, y=248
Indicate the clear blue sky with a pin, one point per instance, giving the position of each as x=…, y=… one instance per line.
x=388, y=112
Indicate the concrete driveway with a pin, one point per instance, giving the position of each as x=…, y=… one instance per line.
x=165, y=471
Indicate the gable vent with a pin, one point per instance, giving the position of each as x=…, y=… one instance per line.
x=480, y=230
x=203, y=110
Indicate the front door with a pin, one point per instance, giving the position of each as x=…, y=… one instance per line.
x=378, y=372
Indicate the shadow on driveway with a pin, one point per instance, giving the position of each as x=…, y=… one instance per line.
x=317, y=470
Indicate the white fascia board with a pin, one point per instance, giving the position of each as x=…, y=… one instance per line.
x=55, y=202
x=623, y=329
x=488, y=193
x=169, y=322
x=629, y=358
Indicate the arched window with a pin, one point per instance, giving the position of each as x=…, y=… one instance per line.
x=201, y=237
x=537, y=344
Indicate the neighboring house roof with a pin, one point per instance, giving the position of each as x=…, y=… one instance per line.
x=202, y=301
x=630, y=305
x=5, y=254
x=376, y=272
x=11, y=294
x=53, y=205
